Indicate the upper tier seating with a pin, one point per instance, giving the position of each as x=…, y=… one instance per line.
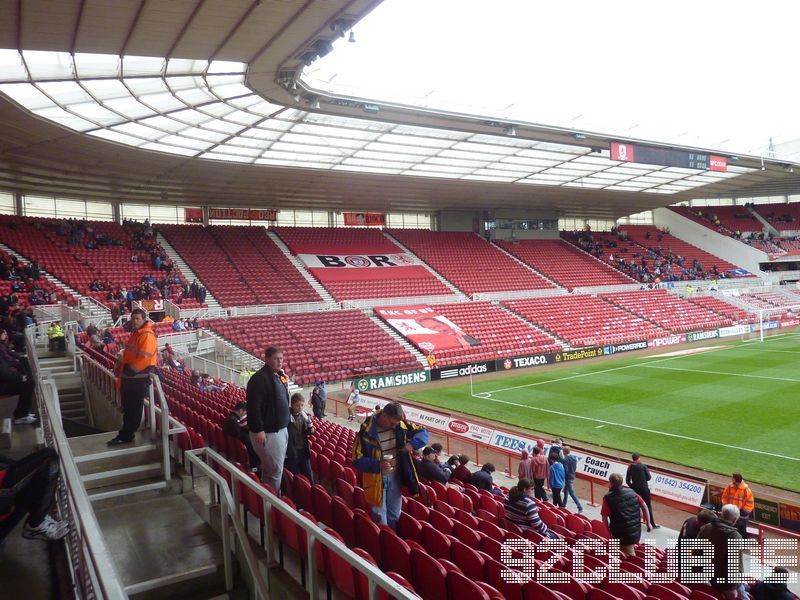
x=267, y=271
x=639, y=234
x=564, y=263
x=204, y=256
x=47, y=242
x=585, y=320
x=50, y=292
x=329, y=345
x=240, y=266
x=469, y=262
x=784, y=217
x=500, y=334
x=730, y=218
x=668, y=311
x=725, y=309
x=359, y=284
x=790, y=245
x=767, y=300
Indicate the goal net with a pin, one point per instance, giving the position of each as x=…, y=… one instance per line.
x=772, y=320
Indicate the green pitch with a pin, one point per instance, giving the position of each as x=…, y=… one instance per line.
x=736, y=408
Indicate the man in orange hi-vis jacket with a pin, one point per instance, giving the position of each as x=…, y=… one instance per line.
x=133, y=375
x=740, y=495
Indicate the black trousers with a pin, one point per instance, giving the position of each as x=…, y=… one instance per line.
x=25, y=391
x=252, y=457
x=35, y=496
x=299, y=465
x=556, y=496
x=645, y=495
x=538, y=490
x=133, y=392
x=741, y=524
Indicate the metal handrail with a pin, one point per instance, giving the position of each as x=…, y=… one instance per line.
x=169, y=425
x=262, y=587
x=101, y=577
x=376, y=578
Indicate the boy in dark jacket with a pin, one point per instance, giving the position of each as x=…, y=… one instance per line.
x=298, y=454
x=232, y=426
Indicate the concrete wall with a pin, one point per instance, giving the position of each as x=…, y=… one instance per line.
x=458, y=220
x=104, y=415
x=525, y=234
x=709, y=240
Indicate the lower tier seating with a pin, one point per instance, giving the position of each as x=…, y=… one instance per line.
x=668, y=311
x=329, y=345
x=497, y=332
x=585, y=320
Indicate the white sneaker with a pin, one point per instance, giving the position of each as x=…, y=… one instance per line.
x=48, y=529
x=26, y=420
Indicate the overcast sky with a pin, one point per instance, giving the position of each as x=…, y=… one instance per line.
x=711, y=74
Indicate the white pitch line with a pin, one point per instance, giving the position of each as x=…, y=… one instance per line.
x=748, y=375
x=763, y=350
x=644, y=429
x=639, y=364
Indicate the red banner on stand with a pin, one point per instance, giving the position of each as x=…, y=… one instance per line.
x=424, y=327
x=243, y=214
x=352, y=219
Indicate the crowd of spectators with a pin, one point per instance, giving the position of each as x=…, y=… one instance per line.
x=647, y=265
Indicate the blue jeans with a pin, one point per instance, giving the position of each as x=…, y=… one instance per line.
x=569, y=491
x=389, y=512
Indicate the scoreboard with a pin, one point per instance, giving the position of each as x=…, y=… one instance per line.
x=668, y=157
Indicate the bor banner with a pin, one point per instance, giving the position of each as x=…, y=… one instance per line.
x=430, y=331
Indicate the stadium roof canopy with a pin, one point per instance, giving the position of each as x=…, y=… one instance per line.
x=204, y=101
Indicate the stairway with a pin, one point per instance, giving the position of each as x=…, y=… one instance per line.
x=526, y=265
x=68, y=383
x=161, y=545
x=400, y=340
x=460, y=296
x=768, y=227
x=88, y=305
x=298, y=264
x=213, y=303
x=241, y=358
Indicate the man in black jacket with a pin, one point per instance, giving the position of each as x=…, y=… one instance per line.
x=428, y=467
x=637, y=477
x=268, y=416
x=719, y=532
x=620, y=512
x=232, y=426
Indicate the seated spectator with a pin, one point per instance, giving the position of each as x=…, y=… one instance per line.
x=16, y=379
x=298, y=455
x=483, y=479
x=450, y=465
x=773, y=587
x=428, y=467
x=209, y=384
x=462, y=472
x=521, y=509
x=232, y=426
x=178, y=325
x=171, y=359
x=28, y=487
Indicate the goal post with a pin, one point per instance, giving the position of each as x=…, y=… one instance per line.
x=769, y=318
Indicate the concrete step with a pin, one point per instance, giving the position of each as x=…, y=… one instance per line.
x=190, y=275
x=301, y=268
x=177, y=555
x=130, y=474
x=111, y=460
x=124, y=493
x=74, y=414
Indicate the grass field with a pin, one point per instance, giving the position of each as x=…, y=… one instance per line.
x=735, y=408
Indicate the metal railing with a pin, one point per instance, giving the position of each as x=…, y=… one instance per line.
x=92, y=567
x=104, y=380
x=377, y=579
x=177, y=312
